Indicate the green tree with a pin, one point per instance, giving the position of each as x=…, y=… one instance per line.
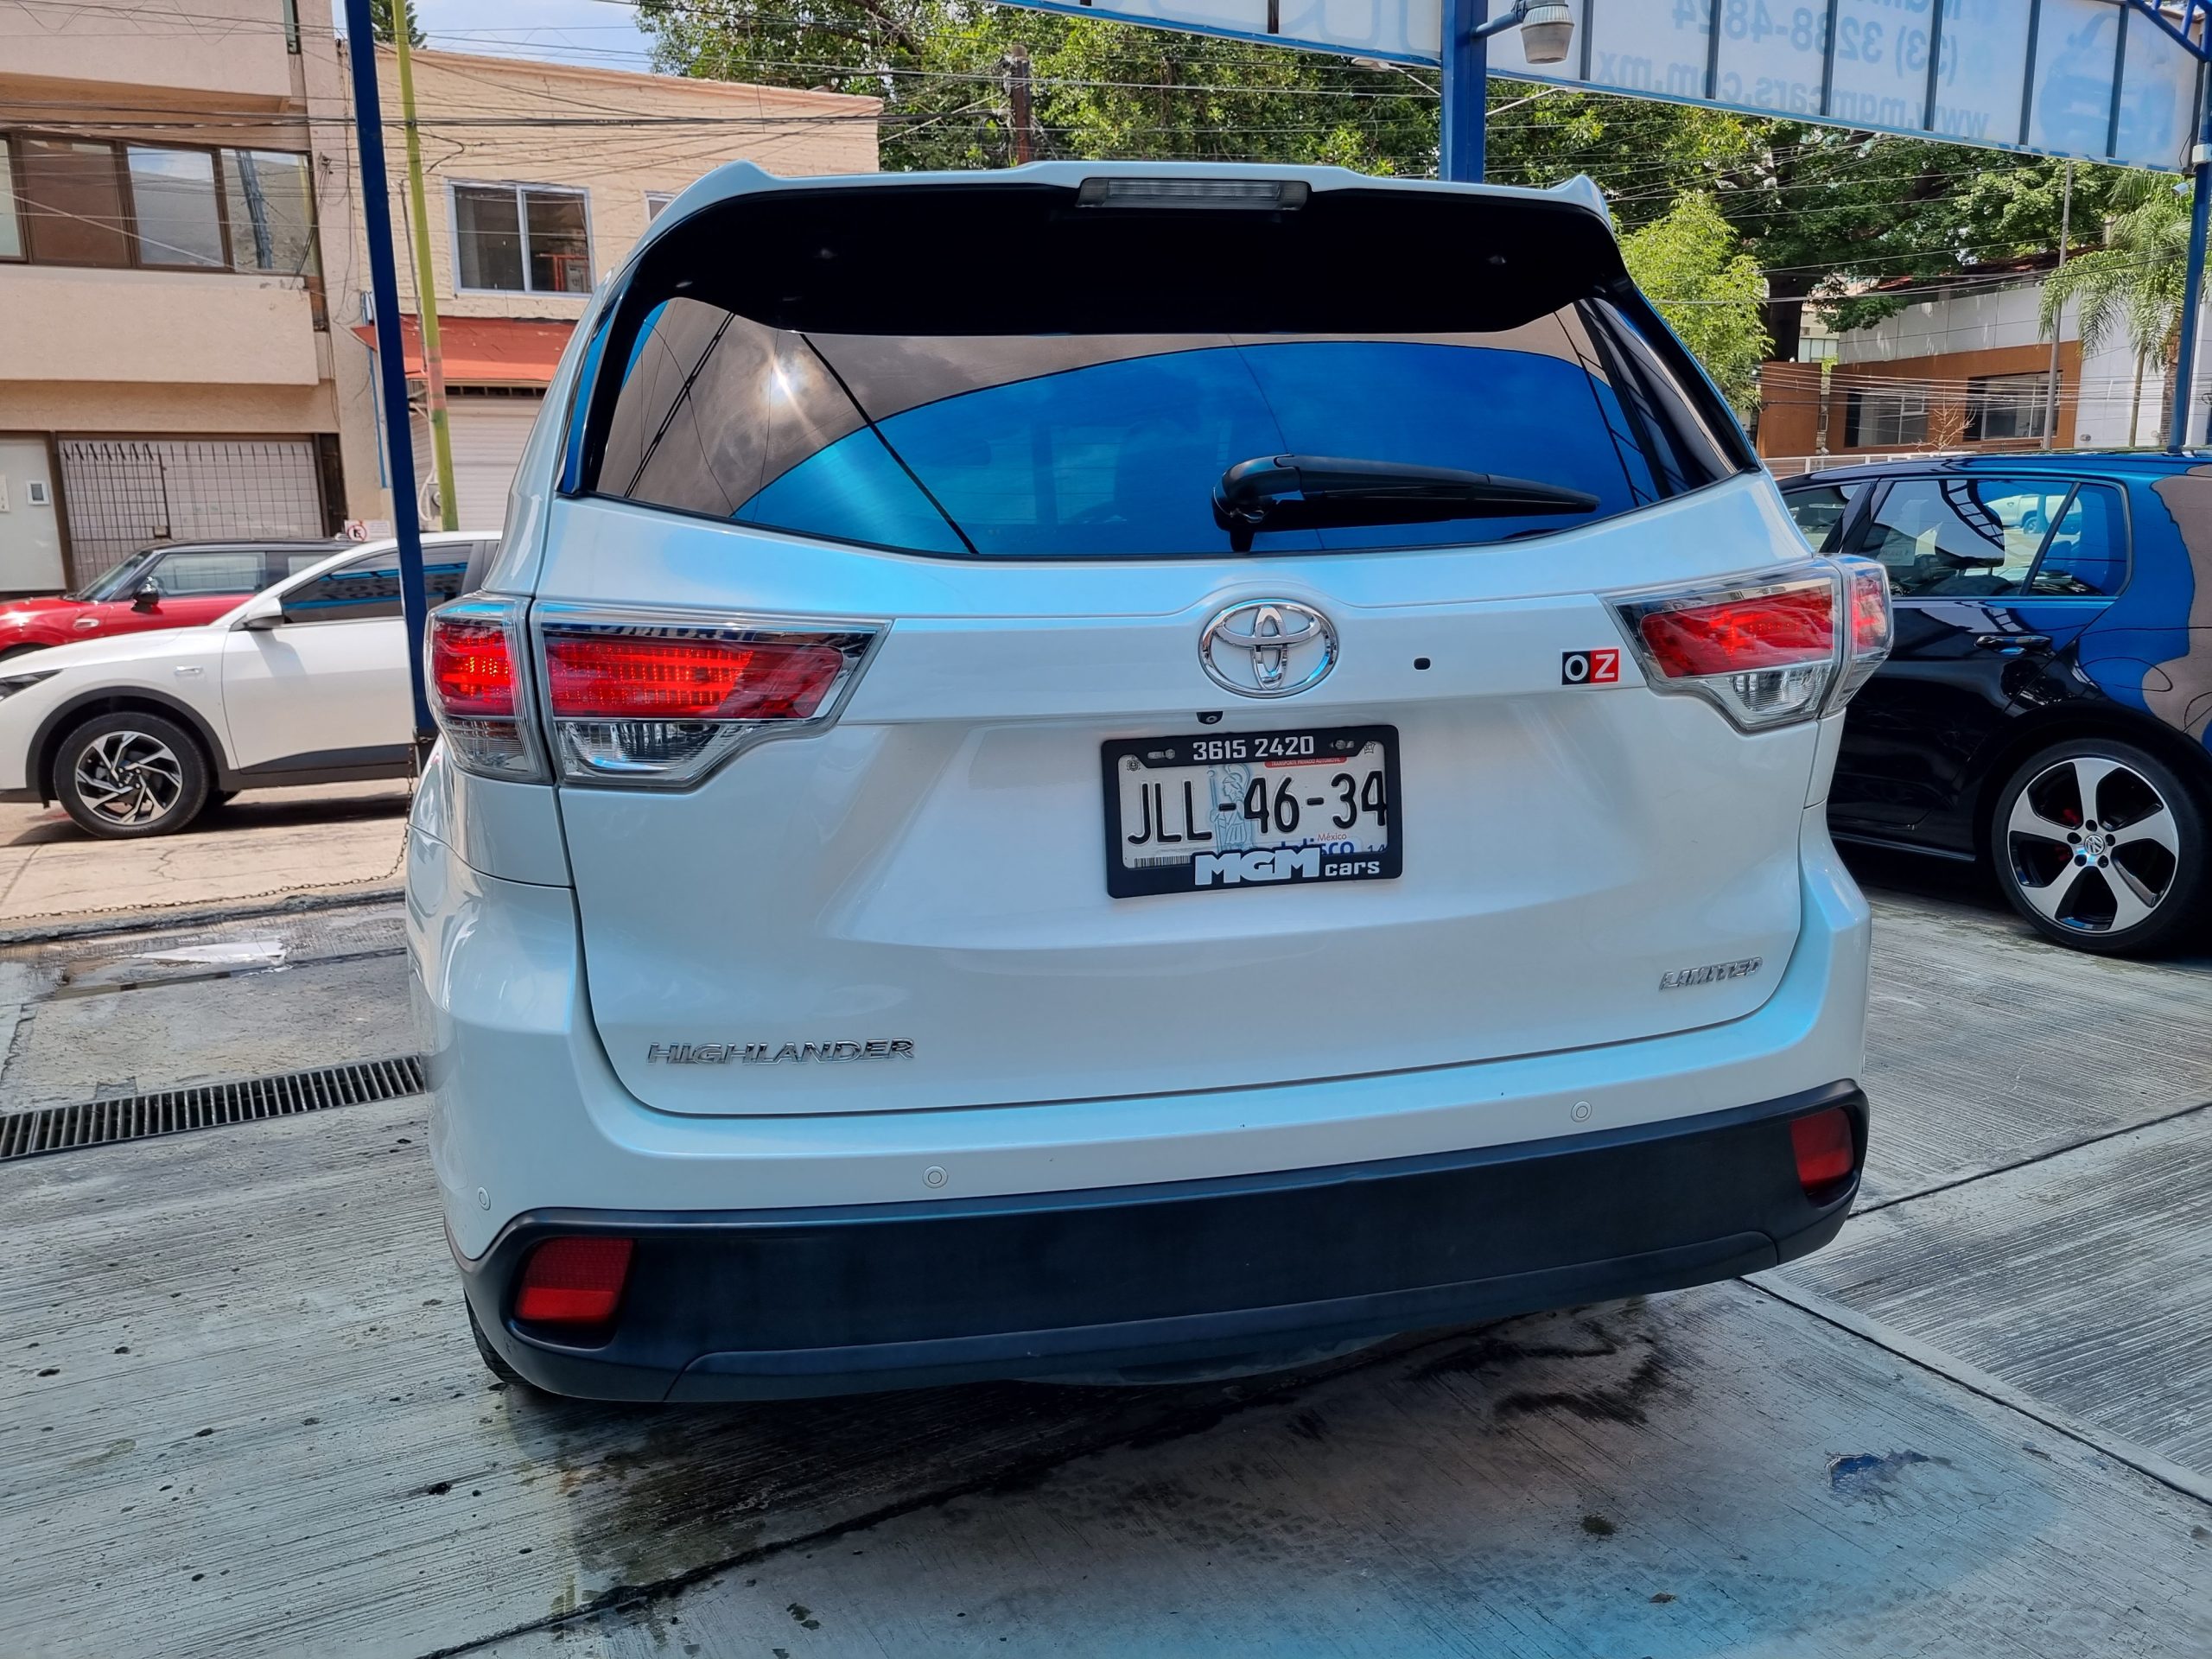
x=382, y=26
x=1691, y=265
x=2133, y=284
x=1100, y=88
x=1822, y=211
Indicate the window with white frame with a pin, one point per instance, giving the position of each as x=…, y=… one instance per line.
x=2007, y=406
x=521, y=239
x=655, y=202
x=1875, y=420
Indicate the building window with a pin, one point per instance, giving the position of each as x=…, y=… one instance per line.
x=268, y=198
x=517, y=238
x=72, y=195
x=655, y=202
x=174, y=208
x=91, y=202
x=1877, y=419
x=2006, y=406
x=11, y=227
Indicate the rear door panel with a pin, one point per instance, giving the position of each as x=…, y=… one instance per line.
x=931, y=872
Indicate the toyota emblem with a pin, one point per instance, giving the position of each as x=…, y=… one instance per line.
x=1268, y=648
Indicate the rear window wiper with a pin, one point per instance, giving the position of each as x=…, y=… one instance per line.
x=1320, y=492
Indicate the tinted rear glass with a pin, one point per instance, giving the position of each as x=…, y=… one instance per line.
x=1063, y=437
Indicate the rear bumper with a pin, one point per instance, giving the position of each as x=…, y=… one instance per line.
x=769, y=1304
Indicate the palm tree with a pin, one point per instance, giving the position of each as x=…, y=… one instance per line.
x=2133, y=283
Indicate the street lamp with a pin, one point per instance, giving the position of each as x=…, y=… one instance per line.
x=1547, y=29
x=1546, y=33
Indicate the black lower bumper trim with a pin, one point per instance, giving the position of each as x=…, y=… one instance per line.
x=780, y=1303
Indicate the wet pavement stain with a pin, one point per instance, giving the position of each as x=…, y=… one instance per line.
x=1605, y=1366
x=1865, y=1474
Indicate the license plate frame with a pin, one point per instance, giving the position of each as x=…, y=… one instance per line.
x=1386, y=863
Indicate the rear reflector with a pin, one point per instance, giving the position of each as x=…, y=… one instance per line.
x=473, y=657
x=1826, y=1155
x=574, y=1282
x=612, y=677
x=660, y=701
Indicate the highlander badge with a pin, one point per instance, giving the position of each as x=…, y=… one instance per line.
x=876, y=1048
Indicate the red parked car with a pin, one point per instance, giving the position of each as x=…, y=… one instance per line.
x=171, y=587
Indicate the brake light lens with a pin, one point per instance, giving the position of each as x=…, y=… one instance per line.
x=1767, y=650
x=601, y=677
x=1825, y=1151
x=1872, y=620
x=1774, y=629
x=575, y=1282
x=474, y=655
x=662, y=702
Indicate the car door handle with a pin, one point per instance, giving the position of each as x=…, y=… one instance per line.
x=86, y=622
x=2012, y=641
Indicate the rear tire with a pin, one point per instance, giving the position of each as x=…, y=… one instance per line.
x=2102, y=847
x=492, y=1361
x=128, y=776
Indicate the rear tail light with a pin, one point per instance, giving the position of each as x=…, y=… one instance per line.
x=661, y=701
x=473, y=657
x=1867, y=604
x=574, y=1282
x=1827, y=1152
x=1766, y=650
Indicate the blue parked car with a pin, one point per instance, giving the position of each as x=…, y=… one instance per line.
x=2045, y=706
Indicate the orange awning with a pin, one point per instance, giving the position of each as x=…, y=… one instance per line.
x=487, y=351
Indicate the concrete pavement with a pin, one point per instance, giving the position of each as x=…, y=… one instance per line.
x=242, y=1414
x=264, y=844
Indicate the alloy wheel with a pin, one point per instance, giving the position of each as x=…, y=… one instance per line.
x=129, y=777
x=2093, y=846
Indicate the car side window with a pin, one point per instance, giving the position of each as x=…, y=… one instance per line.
x=1968, y=537
x=285, y=565
x=364, y=589
x=182, y=575
x=2087, y=555
x=1820, y=510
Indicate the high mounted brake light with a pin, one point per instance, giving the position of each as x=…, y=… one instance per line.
x=1269, y=195
x=473, y=658
x=1766, y=649
x=661, y=701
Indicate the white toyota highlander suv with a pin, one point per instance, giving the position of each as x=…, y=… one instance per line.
x=1128, y=771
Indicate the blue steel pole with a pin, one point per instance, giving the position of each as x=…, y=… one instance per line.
x=391, y=351
x=1466, y=84
x=2200, y=221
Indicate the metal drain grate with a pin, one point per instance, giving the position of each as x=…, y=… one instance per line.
x=172, y=1111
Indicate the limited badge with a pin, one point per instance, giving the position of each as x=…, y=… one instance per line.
x=1598, y=667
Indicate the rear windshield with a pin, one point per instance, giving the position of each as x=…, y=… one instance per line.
x=1088, y=425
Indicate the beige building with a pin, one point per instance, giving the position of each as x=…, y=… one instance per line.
x=183, y=277
x=538, y=179
x=165, y=364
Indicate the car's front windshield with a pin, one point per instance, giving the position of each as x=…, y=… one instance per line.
x=113, y=584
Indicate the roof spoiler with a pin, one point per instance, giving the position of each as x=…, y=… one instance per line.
x=1583, y=189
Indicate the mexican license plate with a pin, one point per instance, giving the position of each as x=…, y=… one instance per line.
x=1251, y=809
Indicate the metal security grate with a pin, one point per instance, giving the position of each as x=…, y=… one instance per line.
x=122, y=494
x=172, y=1111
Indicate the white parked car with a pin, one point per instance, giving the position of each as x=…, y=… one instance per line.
x=1257, y=787
x=305, y=683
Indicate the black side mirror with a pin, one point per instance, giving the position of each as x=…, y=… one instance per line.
x=149, y=596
